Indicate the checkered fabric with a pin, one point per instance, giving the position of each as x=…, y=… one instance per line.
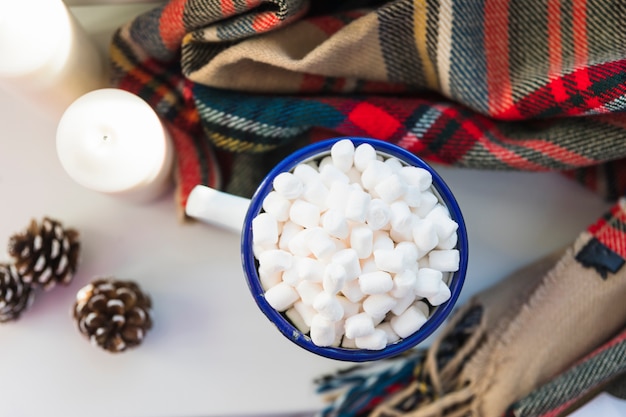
x=488, y=84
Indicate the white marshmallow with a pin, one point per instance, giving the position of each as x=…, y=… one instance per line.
x=410, y=255
x=375, y=172
x=378, y=214
x=382, y=241
x=400, y=216
x=269, y=279
x=327, y=160
x=309, y=269
x=403, y=283
x=322, y=331
x=335, y=223
x=306, y=173
x=449, y=243
x=392, y=337
x=354, y=176
x=348, y=343
x=281, y=296
x=408, y=322
x=412, y=196
x=321, y=244
x=363, y=155
x=277, y=205
x=352, y=291
x=328, y=306
x=349, y=308
x=357, y=205
x=264, y=229
x=423, y=262
x=427, y=282
x=275, y=260
x=330, y=174
x=296, y=319
x=304, y=213
x=425, y=235
x=308, y=290
x=444, y=260
x=359, y=325
x=289, y=230
x=441, y=296
x=428, y=201
x=375, y=341
x=378, y=305
x=390, y=188
x=376, y=282
x=334, y=278
x=368, y=265
x=299, y=243
x=342, y=154
x=444, y=225
x=389, y=260
x=316, y=192
x=258, y=249
x=349, y=259
x=401, y=235
x=306, y=311
x=417, y=176
x=403, y=303
x=394, y=164
x=288, y=185
x=338, y=193
x=362, y=241
x=424, y=308
x=291, y=277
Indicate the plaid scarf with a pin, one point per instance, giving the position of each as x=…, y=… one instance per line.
x=484, y=84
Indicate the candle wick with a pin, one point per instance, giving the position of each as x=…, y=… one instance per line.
x=105, y=137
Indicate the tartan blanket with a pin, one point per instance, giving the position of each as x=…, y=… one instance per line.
x=485, y=84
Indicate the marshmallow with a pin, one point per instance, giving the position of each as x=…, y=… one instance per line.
x=308, y=290
x=403, y=303
x=347, y=343
x=428, y=201
x=425, y=235
x=288, y=185
x=321, y=244
x=375, y=172
x=352, y=291
x=258, y=249
x=275, y=260
x=334, y=278
x=309, y=269
x=389, y=260
x=327, y=160
x=441, y=296
x=362, y=240
x=368, y=265
x=264, y=229
x=349, y=259
x=296, y=319
x=390, y=188
x=281, y=296
x=378, y=305
x=359, y=325
x=357, y=205
x=375, y=341
x=400, y=216
x=403, y=283
x=449, y=243
x=330, y=174
x=304, y=213
x=382, y=241
x=410, y=254
x=269, y=279
x=306, y=312
x=291, y=277
x=427, y=282
x=378, y=214
x=423, y=307
x=376, y=282
x=342, y=154
x=316, y=192
x=288, y=232
x=354, y=175
x=407, y=323
x=444, y=260
x=394, y=164
x=419, y=177
x=412, y=196
x=322, y=331
x=444, y=225
x=299, y=243
x=277, y=205
x=335, y=223
x=328, y=306
x=401, y=235
x=306, y=173
x=363, y=155
x=349, y=308
x=392, y=337
x=338, y=193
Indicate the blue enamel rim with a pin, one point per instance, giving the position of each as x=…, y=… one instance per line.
x=438, y=314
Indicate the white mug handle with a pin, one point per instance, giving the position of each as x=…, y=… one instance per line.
x=217, y=208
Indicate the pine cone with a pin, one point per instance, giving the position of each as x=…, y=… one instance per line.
x=15, y=295
x=45, y=254
x=112, y=314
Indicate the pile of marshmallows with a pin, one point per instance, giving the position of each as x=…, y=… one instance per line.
x=356, y=249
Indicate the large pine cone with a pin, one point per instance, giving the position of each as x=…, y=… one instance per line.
x=114, y=315
x=15, y=295
x=45, y=254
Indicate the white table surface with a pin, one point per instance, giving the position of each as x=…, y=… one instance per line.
x=211, y=351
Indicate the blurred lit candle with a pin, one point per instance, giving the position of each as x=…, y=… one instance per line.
x=46, y=56
x=111, y=141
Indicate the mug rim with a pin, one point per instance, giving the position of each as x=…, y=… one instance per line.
x=438, y=314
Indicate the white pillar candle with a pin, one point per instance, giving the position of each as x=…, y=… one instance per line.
x=112, y=141
x=47, y=58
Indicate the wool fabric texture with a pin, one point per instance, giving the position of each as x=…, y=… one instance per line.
x=484, y=84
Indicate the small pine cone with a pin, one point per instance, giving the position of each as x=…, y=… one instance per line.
x=15, y=295
x=112, y=314
x=46, y=254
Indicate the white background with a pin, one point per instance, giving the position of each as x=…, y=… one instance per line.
x=211, y=351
